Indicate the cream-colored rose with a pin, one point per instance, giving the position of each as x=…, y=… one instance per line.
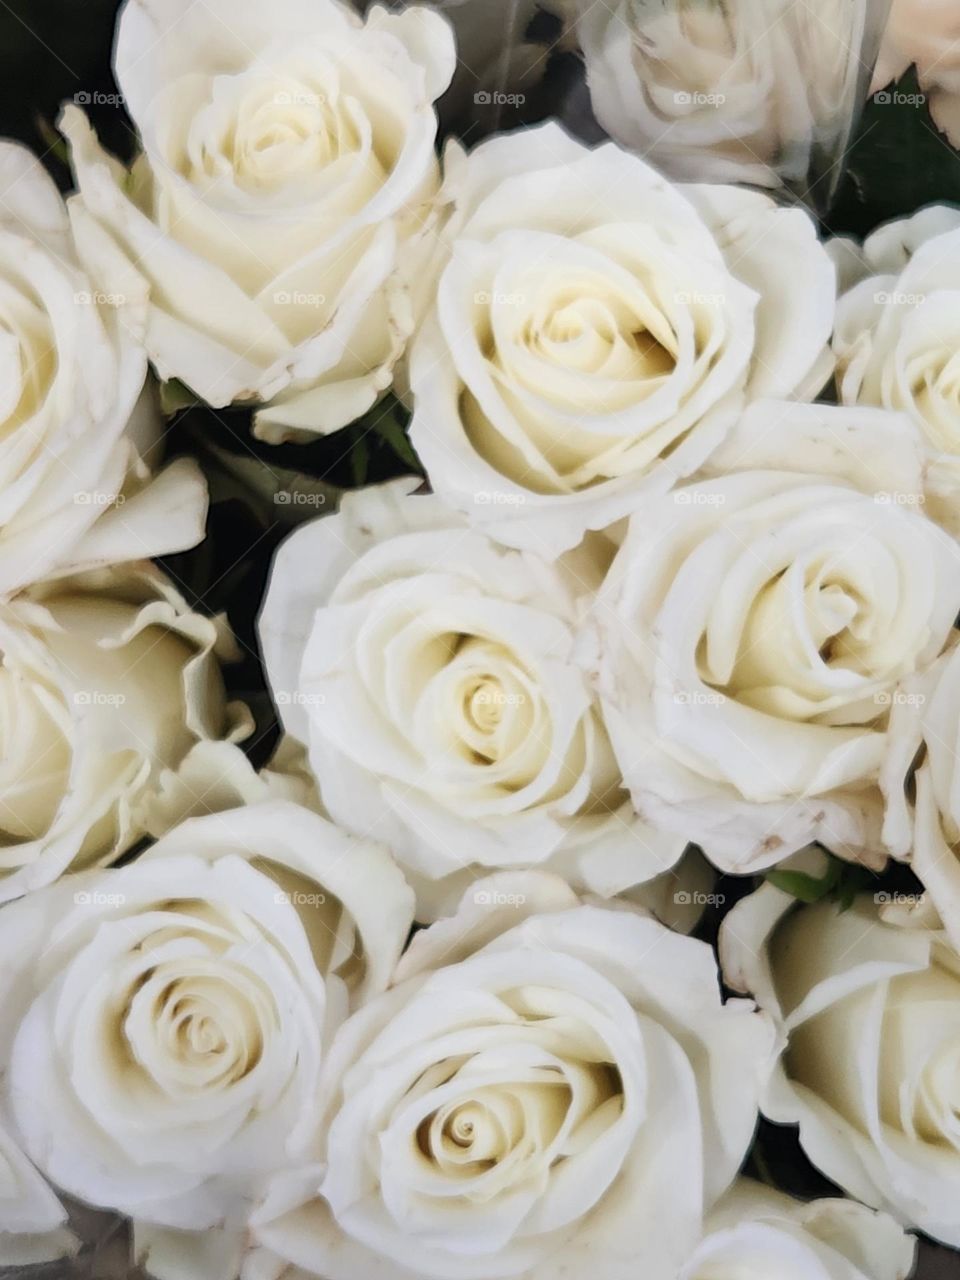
x=927, y=33
x=756, y=1233
x=897, y=335
x=867, y=1001
x=107, y=681
x=284, y=193
x=597, y=330
x=547, y=1088
x=755, y=630
x=436, y=678
x=164, y=1024
x=708, y=92
x=73, y=485
x=759, y=91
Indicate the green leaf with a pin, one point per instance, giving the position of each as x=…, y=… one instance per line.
x=360, y=461
x=807, y=888
x=398, y=440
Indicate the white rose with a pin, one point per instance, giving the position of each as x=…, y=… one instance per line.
x=897, y=333
x=756, y=1233
x=165, y=1023
x=72, y=484
x=278, y=207
x=755, y=629
x=547, y=1088
x=708, y=92
x=868, y=1005
x=752, y=92
x=435, y=676
x=107, y=681
x=596, y=331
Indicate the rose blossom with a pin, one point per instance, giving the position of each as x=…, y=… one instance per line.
x=73, y=484
x=165, y=1024
x=107, y=682
x=546, y=1087
x=283, y=194
x=867, y=1001
x=755, y=629
x=596, y=331
x=897, y=334
x=756, y=1233
x=435, y=677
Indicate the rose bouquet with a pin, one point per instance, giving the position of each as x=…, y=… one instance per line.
x=479, y=582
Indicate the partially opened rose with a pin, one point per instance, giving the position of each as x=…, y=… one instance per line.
x=751, y=92
x=756, y=1233
x=755, y=630
x=107, y=682
x=73, y=489
x=285, y=188
x=708, y=92
x=164, y=1024
x=597, y=330
x=548, y=1087
x=436, y=678
x=896, y=339
x=868, y=1006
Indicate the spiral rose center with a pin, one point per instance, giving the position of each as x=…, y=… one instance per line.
x=493, y=704
x=812, y=641
x=264, y=129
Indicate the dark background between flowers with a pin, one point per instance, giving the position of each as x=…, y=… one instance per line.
x=56, y=50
